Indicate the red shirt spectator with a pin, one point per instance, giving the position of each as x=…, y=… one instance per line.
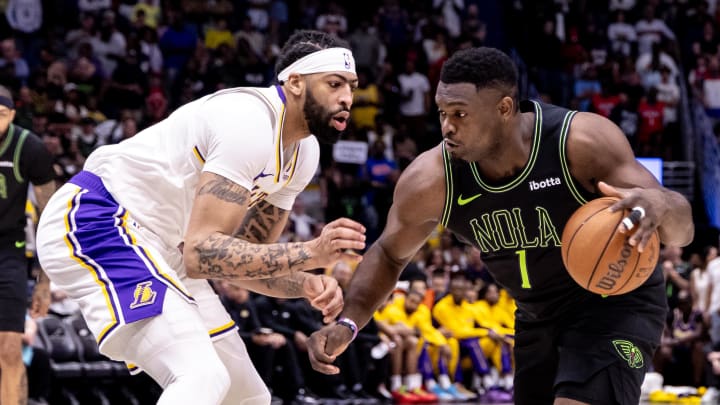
x=603, y=103
x=651, y=118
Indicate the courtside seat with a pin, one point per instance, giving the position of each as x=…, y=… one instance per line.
x=95, y=365
x=61, y=347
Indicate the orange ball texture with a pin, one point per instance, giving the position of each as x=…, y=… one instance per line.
x=598, y=257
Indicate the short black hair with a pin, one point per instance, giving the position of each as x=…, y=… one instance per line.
x=305, y=42
x=459, y=275
x=484, y=67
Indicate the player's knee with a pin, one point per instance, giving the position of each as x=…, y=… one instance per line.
x=211, y=378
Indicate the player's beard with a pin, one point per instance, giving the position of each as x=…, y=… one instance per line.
x=318, y=119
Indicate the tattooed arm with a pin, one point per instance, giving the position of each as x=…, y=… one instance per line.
x=214, y=250
x=264, y=223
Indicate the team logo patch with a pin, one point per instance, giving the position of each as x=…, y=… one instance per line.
x=629, y=352
x=348, y=62
x=143, y=295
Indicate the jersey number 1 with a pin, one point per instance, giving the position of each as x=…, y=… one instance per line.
x=523, y=269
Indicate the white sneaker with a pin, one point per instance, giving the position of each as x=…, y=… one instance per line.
x=711, y=396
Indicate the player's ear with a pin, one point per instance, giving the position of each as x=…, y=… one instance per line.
x=506, y=107
x=295, y=84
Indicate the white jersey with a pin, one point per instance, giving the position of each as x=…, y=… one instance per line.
x=235, y=133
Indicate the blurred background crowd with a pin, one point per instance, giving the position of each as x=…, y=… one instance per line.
x=87, y=73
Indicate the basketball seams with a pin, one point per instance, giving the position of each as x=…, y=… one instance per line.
x=566, y=253
x=631, y=276
x=618, y=265
x=602, y=253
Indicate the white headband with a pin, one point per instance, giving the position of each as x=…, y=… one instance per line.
x=326, y=60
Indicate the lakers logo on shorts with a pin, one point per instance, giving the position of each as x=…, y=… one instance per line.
x=143, y=295
x=629, y=352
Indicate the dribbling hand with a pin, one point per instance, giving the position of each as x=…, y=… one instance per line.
x=336, y=241
x=653, y=205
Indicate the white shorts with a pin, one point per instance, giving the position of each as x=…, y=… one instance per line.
x=117, y=271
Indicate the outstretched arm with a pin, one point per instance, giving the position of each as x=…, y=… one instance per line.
x=212, y=250
x=416, y=211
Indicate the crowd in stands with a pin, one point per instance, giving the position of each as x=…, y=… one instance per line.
x=87, y=73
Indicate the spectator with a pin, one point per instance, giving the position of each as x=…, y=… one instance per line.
x=649, y=134
x=128, y=86
x=78, y=36
x=622, y=35
x=366, y=47
x=108, y=44
x=681, y=358
x=651, y=30
x=333, y=20
x=94, y=6
x=450, y=11
x=415, y=93
x=709, y=43
x=366, y=101
x=152, y=58
x=455, y=315
x=86, y=138
x=304, y=226
x=405, y=379
x=13, y=68
x=217, y=34
x=700, y=287
x=150, y=9
x=178, y=44
x=711, y=87
x=625, y=116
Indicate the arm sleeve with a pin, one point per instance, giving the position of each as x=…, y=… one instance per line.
x=36, y=161
x=239, y=137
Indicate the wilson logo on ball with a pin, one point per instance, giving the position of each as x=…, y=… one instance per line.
x=615, y=269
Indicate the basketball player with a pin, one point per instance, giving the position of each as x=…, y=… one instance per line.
x=23, y=160
x=203, y=195
x=509, y=175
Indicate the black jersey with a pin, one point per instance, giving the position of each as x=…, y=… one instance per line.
x=517, y=224
x=23, y=158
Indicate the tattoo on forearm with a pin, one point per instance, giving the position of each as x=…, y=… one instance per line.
x=225, y=190
x=262, y=223
x=291, y=285
x=226, y=257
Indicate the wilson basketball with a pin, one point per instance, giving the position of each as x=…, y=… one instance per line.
x=601, y=259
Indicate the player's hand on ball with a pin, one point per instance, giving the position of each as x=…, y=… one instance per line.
x=646, y=206
x=324, y=294
x=336, y=242
x=325, y=345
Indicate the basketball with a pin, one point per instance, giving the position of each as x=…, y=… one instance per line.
x=601, y=259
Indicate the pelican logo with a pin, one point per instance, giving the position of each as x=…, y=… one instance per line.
x=348, y=61
x=629, y=352
x=143, y=295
